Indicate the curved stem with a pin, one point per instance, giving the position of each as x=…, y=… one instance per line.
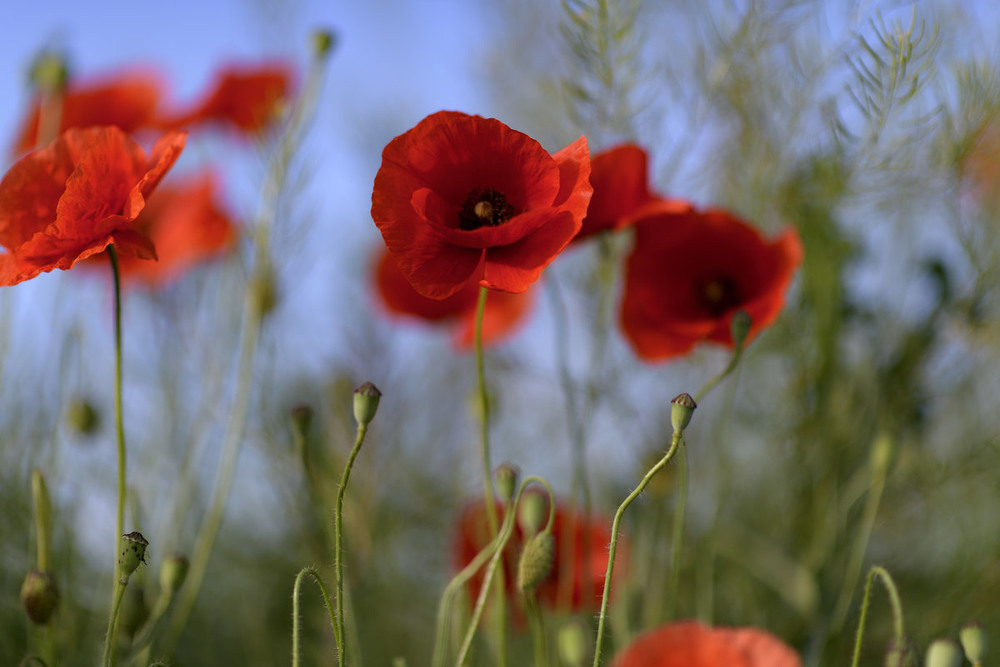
x=675, y=442
x=109, y=638
x=338, y=519
x=894, y=601
x=295, y=610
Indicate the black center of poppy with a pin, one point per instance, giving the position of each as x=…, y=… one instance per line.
x=484, y=207
x=719, y=295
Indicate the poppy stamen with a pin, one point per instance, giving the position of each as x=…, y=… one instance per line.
x=719, y=294
x=484, y=207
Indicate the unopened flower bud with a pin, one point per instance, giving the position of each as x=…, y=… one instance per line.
x=40, y=596
x=943, y=653
x=323, y=42
x=536, y=561
x=49, y=72
x=366, y=399
x=506, y=476
x=974, y=642
x=173, y=571
x=532, y=512
x=133, y=552
x=739, y=327
x=573, y=642
x=82, y=417
x=681, y=410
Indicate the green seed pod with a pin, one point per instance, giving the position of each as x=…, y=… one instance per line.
x=323, y=42
x=49, y=72
x=573, y=643
x=366, y=399
x=506, y=477
x=40, y=596
x=82, y=417
x=536, y=561
x=943, y=653
x=974, y=642
x=173, y=571
x=681, y=410
x=133, y=552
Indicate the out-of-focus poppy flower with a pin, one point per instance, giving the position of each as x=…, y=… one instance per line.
x=690, y=272
x=691, y=644
x=462, y=198
x=247, y=97
x=620, y=179
x=502, y=315
x=77, y=196
x=187, y=226
x=127, y=100
x=573, y=580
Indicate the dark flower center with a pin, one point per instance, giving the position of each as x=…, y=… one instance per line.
x=484, y=207
x=719, y=295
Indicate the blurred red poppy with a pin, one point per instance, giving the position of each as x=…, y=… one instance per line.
x=690, y=272
x=573, y=581
x=462, y=198
x=187, y=226
x=72, y=199
x=691, y=644
x=127, y=100
x=620, y=179
x=247, y=97
x=504, y=312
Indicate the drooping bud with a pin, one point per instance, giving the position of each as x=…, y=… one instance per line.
x=943, y=653
x=40, y=596
x=366, y=399
x=974, y=642
x=173, y=571
x=133, y=552
x=573, y=642
x=739, y=327
x=82, y=417
x=506, y=477
x=532, y=512
x=323, y=42
x=536, y=561
x=681, y=410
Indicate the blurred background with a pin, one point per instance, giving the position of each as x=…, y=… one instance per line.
x=861, y=428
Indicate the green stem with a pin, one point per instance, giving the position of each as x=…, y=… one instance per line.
x=109, y=638
x=897, y=609
x=537, y=624
x=338, y=519
x=675, y=442
x=710, y=385
x=119, y=420
x=678, y=533
x=295, y=610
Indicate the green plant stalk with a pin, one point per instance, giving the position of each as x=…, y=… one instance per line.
x=537, y=624
x=142, y=644
x=109, y=637
x=677, y=536
x=295, y=610
x=894, y=601
x=675, y=442
x=710, y=385
x=338, y=529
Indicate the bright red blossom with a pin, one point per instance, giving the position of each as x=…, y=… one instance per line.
x=127, y=100
x=187, y=226
x=620, y=179
x=581, y=556
x=691, y=644
x=462, y=198
x=690, y=272
x=501, y=316
x=72, y=199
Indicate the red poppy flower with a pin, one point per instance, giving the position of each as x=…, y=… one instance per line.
x=691, y=644
x=620, y=179
x=462, y=198
x=186, y=225
x=582, y=583
x=690, y=272
x=244, y=96
x=503, y=312
x=72, y=199
x=127, y=100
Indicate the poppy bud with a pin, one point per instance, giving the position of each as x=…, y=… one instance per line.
x=899, y=655
x=973, y=638
x=739, y=327
x=49, y=72
x=572, y=642
x=536, y=561
x=82, y=417
x=366, y=399
x=531, y=512
x=133, y=553
x=323, y=42
x=39, y=596
x=943, y=653
x=506, y=477
x=681, y=410
x=173, y=571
